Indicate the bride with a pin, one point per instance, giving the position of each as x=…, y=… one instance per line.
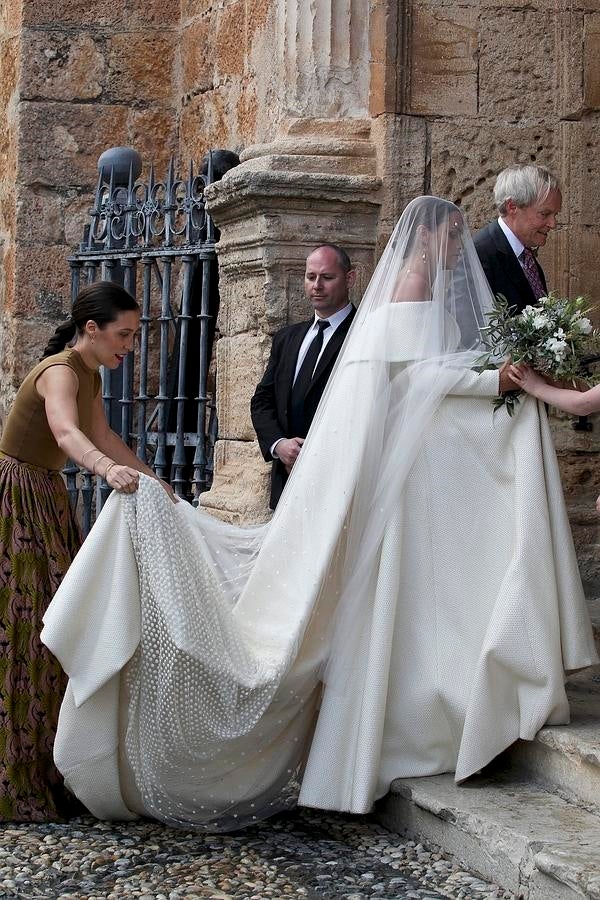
x=410, y=609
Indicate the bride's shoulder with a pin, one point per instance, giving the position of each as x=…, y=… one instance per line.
x=412, y=288
x=390, y=332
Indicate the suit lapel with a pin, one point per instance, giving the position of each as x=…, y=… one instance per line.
x=542, y=276
x=291, y=354
x=288, y=369
x=513, y=269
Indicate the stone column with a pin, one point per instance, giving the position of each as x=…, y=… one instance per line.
x=317, y=181
x=324, y=47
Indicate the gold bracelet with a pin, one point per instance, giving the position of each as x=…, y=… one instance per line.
x=108, y=468
x=96, y=461
x=91, y=450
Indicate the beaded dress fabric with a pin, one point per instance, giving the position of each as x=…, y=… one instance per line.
x=409, y=610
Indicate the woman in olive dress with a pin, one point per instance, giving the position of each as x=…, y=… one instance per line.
x=57, y=414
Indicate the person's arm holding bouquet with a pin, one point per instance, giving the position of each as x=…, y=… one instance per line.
x=577, y=402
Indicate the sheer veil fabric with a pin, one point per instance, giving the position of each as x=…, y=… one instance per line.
x=410, y=609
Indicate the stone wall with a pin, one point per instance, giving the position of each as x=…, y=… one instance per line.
x=229, y=80
x=10, y=55
x=80, y=85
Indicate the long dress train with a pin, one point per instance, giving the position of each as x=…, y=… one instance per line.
x=213, y=670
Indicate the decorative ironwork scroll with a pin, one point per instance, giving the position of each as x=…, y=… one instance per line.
x=156, y=238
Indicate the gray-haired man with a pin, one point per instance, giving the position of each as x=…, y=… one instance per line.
x=528, y=200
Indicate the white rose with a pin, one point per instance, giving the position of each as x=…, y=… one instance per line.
x=584, y=325
x=528, y=312
x=540, y=320
x=558, y=348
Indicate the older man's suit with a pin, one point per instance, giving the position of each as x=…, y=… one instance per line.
x=502, y=268
x=270, y=405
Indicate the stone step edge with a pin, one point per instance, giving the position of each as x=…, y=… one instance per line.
x=580, y=739
x=525, y=864
x=565, y=758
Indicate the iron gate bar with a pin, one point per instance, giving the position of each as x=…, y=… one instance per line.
x=158, y=224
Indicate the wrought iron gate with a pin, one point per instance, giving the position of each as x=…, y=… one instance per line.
x=157, y=239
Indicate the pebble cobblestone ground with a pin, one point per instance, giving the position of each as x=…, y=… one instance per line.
x=302, y=854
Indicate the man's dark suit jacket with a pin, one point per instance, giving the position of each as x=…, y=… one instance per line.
x=502, y=268
x=269, y=406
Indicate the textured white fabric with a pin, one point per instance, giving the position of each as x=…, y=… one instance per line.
x=426, y=578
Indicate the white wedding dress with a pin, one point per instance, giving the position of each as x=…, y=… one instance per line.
x=215, y=671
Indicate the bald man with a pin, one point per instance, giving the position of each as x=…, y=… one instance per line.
x=302, y=357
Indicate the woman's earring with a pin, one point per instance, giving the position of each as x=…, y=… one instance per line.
x=424, y=256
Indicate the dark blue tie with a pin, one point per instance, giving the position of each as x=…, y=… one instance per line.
x=297, y=424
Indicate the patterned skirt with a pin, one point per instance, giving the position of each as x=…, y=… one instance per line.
x=39, y=537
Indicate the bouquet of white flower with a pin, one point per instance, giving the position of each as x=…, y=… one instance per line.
x=554, y=337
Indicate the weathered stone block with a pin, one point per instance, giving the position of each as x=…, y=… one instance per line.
x=44, y=283
x=386, y=72
x=107, y=13
x=10, y=15
x=153, y=133
x=443, y=61
x=584, y=274
x=402, y=143
x=517, y=64
x=22, y=342
x=204, y=123
x=579, y=161
x=40, y=219
x=74, y=136
x=239, y=369
x=534, y=5
x=7, y=275
x=591, y=71
x=7, y=210
x=569, y=64
x=240, y=491
x=141, y=66
x=247, y=111
x=466, y=158
x=243, y=299
x=259, y=15
x=191, y=9
x=196, y=58
x=72, y=12
x=579, y=474
x=60, y=66
x=10, y=48
x=76, y=216
x=230, y=43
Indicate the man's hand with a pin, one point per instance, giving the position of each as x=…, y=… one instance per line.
x=506, y=381
x=287, y=451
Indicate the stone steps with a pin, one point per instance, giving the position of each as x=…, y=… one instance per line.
x=529, y=841
x=566, y=758
x=530, y=822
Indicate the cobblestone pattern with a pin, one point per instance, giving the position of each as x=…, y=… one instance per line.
x=305, y=854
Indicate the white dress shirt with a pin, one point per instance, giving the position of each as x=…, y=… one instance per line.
x=516, y=245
